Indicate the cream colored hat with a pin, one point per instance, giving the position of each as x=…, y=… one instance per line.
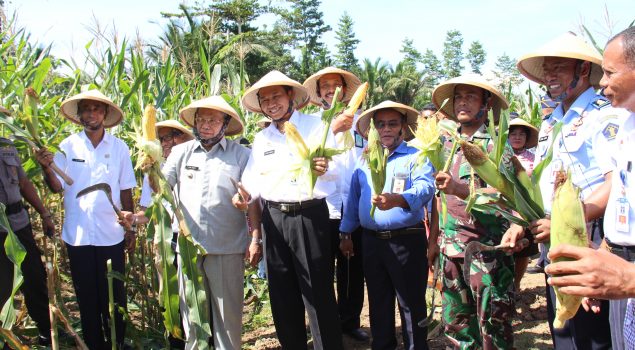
x=216, y=103
x=274, y=78
x=363, y=123
x=174, y=124
x=5, y=111
x=69, y=108
x=446, y=90
x=532, y=137
x=350, y=81
x=567, y=45
x=263, y=122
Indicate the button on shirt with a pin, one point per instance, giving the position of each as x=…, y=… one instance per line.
x=622, y=186
x=268, y=176
x=419, y=188
x=90, y=219
x=582, y=146
x=201, y=180
x=11, y=172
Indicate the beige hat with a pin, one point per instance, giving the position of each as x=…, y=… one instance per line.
x=5, y=111
x=567, y=45
x=263, y=122
x=216, y=103
x=69, y=108
x=446, y=90
x=174, y=124
x=363, y=123
x=274, y=78
x=532, y=137
x=350, y=81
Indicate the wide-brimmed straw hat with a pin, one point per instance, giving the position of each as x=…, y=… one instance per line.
x=350, y=81
x=274, y=78
x=567, y=45
x=69, y=108
x=217, y=103
x=446, y=90
x=363, y=123
x=174, y=124
x=532, y=137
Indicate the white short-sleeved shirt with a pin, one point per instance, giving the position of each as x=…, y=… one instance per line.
x=90, y=219
x=267, y=174
x=622, y=185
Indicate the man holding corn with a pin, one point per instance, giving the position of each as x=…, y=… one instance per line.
x=349, y=273
x=469, y=324
x=394, y=239
x=90, y=231
x=298, y=247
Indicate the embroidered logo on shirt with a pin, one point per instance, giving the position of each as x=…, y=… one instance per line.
x=270, y=152
x=610, y=131
x=78, y=160
x=191, y=167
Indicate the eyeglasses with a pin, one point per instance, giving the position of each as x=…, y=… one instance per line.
x=393, y=124
x=170, y=137
x=202, y=121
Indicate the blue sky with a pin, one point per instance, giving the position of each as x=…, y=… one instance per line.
x=512, y=27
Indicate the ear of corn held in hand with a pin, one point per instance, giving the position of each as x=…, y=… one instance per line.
x=377, y=157
x=345, y=138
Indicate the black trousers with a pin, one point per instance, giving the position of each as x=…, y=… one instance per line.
x=585, y=331
x=300, y=276
x=396, y=267
x=89, y=273
x=34, y=285
x=349, y=274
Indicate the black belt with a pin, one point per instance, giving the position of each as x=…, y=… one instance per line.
x=288, y=207
x=626, y=252
x=13, y=208
x=418, y=229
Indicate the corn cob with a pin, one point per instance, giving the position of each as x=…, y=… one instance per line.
x=151, y=153
x=357, y=99
x=567, y=226
x=376, y=156
x=295, y=141
x=486, y=169
x=30, y=112
x=428, y=140
x=148, y=123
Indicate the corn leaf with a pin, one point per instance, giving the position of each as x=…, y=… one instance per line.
x=16, y=253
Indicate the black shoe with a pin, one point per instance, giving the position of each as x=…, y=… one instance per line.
x=535, y=269
x=358, y=334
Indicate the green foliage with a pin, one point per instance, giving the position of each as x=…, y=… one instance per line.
x=453, y=54
x=15, y=251
x=506, y=72
x=476, y=56
x=346, y=45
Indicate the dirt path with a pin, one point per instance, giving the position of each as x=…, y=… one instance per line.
x=530, y=325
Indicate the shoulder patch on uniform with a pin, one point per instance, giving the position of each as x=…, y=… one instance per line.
x=601, y=103
x=610, y=131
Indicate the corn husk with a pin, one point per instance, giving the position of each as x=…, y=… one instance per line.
x=376, y=157
x=427, y=139
x=30, y=114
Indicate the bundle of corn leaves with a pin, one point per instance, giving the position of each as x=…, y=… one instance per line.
x=149, y=161
x=377, y=157
x=568, y=226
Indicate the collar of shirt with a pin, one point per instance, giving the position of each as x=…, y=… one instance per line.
x=222, y=144
x=272, y=130
x=107, y=139
x=576, y=109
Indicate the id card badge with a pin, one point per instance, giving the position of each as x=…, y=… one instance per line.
x=398, y=183
x=623, y=208
x=359, y=140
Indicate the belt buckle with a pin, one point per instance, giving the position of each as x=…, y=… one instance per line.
x=384, y=235
x=284, y=207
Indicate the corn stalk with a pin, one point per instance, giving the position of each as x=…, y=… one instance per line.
x=15, y=252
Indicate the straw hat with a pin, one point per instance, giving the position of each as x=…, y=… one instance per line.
x=350, y=81
x=567, y=45
x=363, y=123
x=174, y=124
x=263, y=122
x=274, y=78
x=216, y=103
x=69, y=108
x=446, y=90
x=5, y=111
x=532, y=137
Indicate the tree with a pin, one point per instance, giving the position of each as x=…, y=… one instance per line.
x=452, y=54
x=346, y=45
x=376, y=74
x=506, y=72
x=476, y=56
x=404, y=84
x=432, y=69
x=411, y=55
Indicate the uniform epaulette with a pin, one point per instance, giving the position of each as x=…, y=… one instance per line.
x=601, y=103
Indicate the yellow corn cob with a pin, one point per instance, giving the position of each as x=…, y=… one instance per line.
x=295, y=141
x=486, y=169
x=568, y=226
x=376, y=156
x=148, y=123
x=152, y=153
x=357, y=99
x=30, y=113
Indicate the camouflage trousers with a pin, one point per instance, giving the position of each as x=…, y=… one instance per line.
x=479, y=316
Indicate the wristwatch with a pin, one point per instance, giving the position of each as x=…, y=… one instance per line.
x=256, y=240
x=344, y=236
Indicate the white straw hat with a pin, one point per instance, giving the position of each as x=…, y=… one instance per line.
x=274, y=78
x=216, y=103
x=69, y=108
x=363, y=123
x=445, y=90
x=174, y=124
x=351, y=82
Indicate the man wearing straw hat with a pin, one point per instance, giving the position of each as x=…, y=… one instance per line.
x=297, y=242
x=349, y=273
x=394, y=240
x=469, y=324
x=201, y=172
x=90, y=231
x=570, y=69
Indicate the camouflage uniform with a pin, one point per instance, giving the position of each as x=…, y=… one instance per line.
x=478, y=315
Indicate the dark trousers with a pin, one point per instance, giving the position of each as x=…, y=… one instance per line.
x=34, y=284
x=396, y=267
x=585, y=330
x=89, y=273
x=300, y=276
x=349, y=274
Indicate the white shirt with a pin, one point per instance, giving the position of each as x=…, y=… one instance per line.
x=90, y=219
x=267, y=174
x=623, y=180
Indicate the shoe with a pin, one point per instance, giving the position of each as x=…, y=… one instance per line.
x=535, y=269
x=358, y=334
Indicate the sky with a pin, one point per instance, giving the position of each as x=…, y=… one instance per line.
x=503, y=27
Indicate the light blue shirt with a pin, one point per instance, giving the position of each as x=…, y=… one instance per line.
x=418, y=190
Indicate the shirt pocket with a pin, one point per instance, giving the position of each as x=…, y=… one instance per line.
x=10, y=170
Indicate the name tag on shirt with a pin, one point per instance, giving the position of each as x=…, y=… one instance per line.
x=270, y=152
x=544, y=138
x=398, y=184
x=623, y=208
x=191, y=167
x=359, y=140
x=78, y=160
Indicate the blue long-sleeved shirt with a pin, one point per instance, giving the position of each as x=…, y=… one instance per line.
x=418, y=191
